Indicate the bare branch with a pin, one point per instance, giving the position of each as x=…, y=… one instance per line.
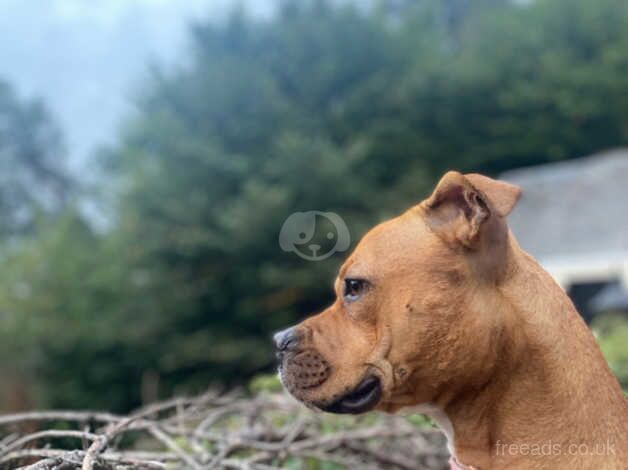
x=42, y=435
x=215, y=431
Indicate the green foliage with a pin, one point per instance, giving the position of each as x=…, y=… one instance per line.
x=612, y=335
x=319, y=108
x=265, y=383
x=60, y=299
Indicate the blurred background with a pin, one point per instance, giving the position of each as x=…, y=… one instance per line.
x=151, y=150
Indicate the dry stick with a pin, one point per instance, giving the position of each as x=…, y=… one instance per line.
x=154, y=460
x=196, y=445
x=289, y=445
x=383, y=457
x=335, y=440
x=349, y=463
x=294, y=431
x=68, y=416
x=59, y=416
x=53, y=463
x=181, y=415
x=224, y=452
x=174, y=447
x=263, y=443
x=246, y=465
x=44, y=464
x=286, y=447
x=260, y=458
x=216, y=415
x=44, y=434
x=99, y=445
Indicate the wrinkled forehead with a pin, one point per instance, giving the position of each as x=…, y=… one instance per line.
x=392, y=246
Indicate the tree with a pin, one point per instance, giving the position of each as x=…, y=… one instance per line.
x=33, y=173
x=34, y=187
x=322, y=107
x=233, y=145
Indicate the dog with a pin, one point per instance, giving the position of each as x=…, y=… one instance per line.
x=439, y=309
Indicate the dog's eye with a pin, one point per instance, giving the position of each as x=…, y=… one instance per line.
x=353, y=289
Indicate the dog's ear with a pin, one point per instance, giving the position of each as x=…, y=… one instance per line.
x=501, y=195
x=463, y=208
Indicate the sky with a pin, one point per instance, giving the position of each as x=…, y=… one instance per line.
x=85, y=58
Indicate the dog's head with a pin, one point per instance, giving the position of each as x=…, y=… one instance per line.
x=407, y=325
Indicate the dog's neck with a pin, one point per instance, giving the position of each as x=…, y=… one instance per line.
x=549, y=385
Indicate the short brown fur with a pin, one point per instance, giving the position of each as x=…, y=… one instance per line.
x=457, y=316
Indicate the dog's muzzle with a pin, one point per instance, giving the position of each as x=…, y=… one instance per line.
x=303, y=370
x=300, y=369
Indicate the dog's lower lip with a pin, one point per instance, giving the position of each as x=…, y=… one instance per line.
x=363, y=398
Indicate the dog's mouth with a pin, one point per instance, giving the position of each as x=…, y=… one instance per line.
x=361, y=399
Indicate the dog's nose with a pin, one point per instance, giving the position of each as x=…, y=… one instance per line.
x=286, y=340
x=314, y=247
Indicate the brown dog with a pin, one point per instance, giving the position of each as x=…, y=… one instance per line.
x=440, y=308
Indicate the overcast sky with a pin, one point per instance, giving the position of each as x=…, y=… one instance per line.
x=85, y=57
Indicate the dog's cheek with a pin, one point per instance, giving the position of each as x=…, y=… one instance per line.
x=364, y=313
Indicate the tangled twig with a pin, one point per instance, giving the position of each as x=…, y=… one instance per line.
x=215, y=431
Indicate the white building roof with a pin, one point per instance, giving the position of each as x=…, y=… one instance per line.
x=573, y=216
